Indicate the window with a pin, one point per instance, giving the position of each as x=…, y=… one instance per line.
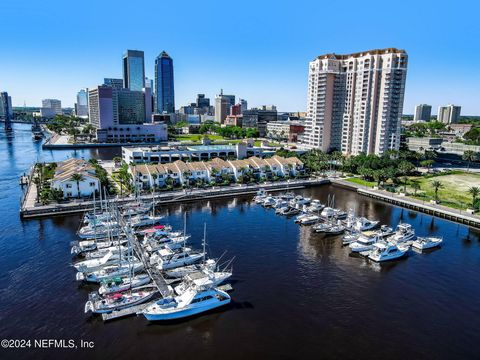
x=69, y=186
x=69, y=194
x=92, y=184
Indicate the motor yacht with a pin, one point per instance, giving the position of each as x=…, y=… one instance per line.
x=364, y=242
x=192, y=302
x=387, y=251
x=403, y=233
x=123, y=283
x=423, y=243
x=364, y=224
x=118, y=301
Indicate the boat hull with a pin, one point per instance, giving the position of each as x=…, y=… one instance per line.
x=184, y=313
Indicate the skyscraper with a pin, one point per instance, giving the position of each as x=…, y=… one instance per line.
x=355, y=101
x=82, y=103
x=114, y=83
x=423, y=112
x=222, y=107
x=52, y=105
x=133, y=70
x=243, y=104
x=449, y=114
x=164, y=85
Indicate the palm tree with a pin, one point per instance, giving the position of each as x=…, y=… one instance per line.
x=154, y=177
x=474, y=191
x=469, y=155
x=415, y=184
x=77, y=178
x=436, y=186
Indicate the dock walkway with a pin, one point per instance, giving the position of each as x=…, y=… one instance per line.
x=29, y=210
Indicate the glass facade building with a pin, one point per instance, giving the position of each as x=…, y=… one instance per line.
x=164, y=88
x=134, y=70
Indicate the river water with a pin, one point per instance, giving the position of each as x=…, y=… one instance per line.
x=297, y=294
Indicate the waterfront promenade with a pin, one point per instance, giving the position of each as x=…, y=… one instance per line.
x=29, y=210
x=410, y=203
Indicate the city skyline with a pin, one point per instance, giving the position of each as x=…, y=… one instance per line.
x=263, y=66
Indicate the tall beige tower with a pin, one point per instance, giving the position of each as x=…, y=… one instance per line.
x=355, y=101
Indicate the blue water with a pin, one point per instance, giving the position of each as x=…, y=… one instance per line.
x=297, y=294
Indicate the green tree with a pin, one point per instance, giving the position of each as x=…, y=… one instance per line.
x=436, y=185
x=474, y=191
x=427, y=163
x=469, y=156
x=77, y=178
x=415, y=184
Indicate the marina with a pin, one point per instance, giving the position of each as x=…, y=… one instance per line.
x=278, y=263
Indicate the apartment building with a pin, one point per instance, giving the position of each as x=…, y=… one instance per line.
x=355, y=101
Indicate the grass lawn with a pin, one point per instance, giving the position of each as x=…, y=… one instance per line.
x=361, y=182
x=196, y=137
x=454, y=192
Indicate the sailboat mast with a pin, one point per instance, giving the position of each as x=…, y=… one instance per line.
x=204, y=240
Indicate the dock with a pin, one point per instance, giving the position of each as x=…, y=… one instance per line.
x=30, y=210
x=436, y=210
x=133, y=310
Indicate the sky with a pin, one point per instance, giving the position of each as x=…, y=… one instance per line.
x=258, y=50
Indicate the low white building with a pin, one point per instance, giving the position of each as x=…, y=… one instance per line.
x=64, y=179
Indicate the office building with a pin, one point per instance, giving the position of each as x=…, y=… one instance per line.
x=51, y=107
x=423, y=112
x=236, y=109
x=133, y=70
x=243, y=104
x=231, y=99
x=114, y=83
x=6, y=111
x=258, y=118
x=202, y=101
x=119, y=116
x=449, y=114
x=81, y=106
x=285, y=130
x=222, y=107
x=101, y=110
x=164, y=84
x=355, y=101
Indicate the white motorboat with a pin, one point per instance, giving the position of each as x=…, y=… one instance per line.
x=281, y=210
x=167, y=259
x=192, y=302
x=183, y=271
x=269, y=201
x=364, y=243
x=335, y=229
x=137, y=208
x=310, y=219
x=321, y=227
x=299, y=201
x=287, y=196
x=328, y=213
x=110, y=271
x=300, y=217
x=350, y=238
x=118, y=301
x=260, y=196
x=205, y=278
x=403, y=233
x=123, y=283
x=385, y=231
x=387, y=251
x=290, y=211
x=171, y=243
x=315, y=206
x=364, y=224
x=424, y=243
